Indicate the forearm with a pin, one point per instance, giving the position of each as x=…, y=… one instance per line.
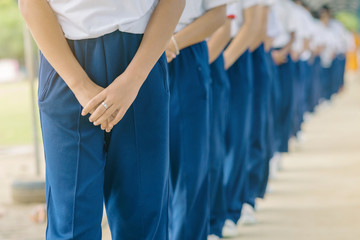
x=261, y=32
x=268, y=43
x=219, y=40
x=243, y=38
x=287, y=48
x=156, y=37
x=50, y=39
x=201, y=28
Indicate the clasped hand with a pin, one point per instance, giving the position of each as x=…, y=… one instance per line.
x=117, y=97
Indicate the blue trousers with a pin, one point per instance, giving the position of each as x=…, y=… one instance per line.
x=337, y=73
x=237, y=135
x=259, y=151
x=219, y=120
x=271, y=93
x=327, y=82
x=285, y=117
x=276, y=106
x=190, y=88
x=317, y=83
x=309, y=86
x=127, y=168
x=299, y=95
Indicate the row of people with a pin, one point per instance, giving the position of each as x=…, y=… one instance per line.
x=181, y=146
x=271, y=62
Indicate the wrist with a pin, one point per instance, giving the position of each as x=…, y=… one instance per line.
x=135, y=76
x=79, y=83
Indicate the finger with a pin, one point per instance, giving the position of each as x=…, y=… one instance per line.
x=105, y=116
x=112, y=117
x=117, y=118
x=92, y=104
x=99, y=111
x=103, y=126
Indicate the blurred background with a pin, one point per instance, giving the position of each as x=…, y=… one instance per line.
x=295, y=207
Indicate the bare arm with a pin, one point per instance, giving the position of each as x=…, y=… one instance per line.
x=49, y=37
x=263, y=14
x=200, y=29
x=123, y=91
x=219, y=40
x=243, y=39
x=280, y=56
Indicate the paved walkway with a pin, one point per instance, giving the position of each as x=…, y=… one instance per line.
x=315, y=197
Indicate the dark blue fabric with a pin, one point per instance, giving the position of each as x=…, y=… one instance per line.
x=219, y=120
x=276, y=105
x=127, y=168
x=271, y=91
x=258, y=158
x=317, y=81
x=299, y=96
x=337, y=73
x=190, y=88
x=238, y=133
x=309, y=86
x=327, y=82
x=285, y=117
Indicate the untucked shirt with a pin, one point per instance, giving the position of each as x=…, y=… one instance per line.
x=84, y=19
x=196, y=8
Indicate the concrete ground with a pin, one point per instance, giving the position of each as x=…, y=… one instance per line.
x=315, y=197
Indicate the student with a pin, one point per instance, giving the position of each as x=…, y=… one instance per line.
x=273, y=30
x=239, y=65
x=328, y=55
x=300, y=55
x=97, y=55
x=285, y=69
x=219, y=118
x=340, y=59
x=190, y=88
x=317, y=46
x=258, y=153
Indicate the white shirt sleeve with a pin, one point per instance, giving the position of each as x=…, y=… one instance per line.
x=250, y=3
x=273, y=27
x=210, y=4
x=268, y=2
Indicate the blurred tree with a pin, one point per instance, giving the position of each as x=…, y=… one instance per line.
x=11, y=31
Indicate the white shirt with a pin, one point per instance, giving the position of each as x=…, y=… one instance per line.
x=196, y=8
x=341, y=34
x=273, y=26
x=303, y=31
x=84, y=19
x=284, y=15
x=237, y=9
x=329, y=38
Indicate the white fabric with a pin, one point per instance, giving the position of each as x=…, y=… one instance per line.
x=273, y=26
x=303, y=30
x=196, y=8
x=318, y=38
x=329, y=37
x=350, y=42
x=284, y=15
x=341, y=36
x=237, y=9
x=268, y=2
x=84, y=19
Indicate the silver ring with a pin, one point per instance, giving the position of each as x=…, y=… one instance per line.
x=105, y=105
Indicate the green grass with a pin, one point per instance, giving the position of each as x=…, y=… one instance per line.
x=15, y=114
